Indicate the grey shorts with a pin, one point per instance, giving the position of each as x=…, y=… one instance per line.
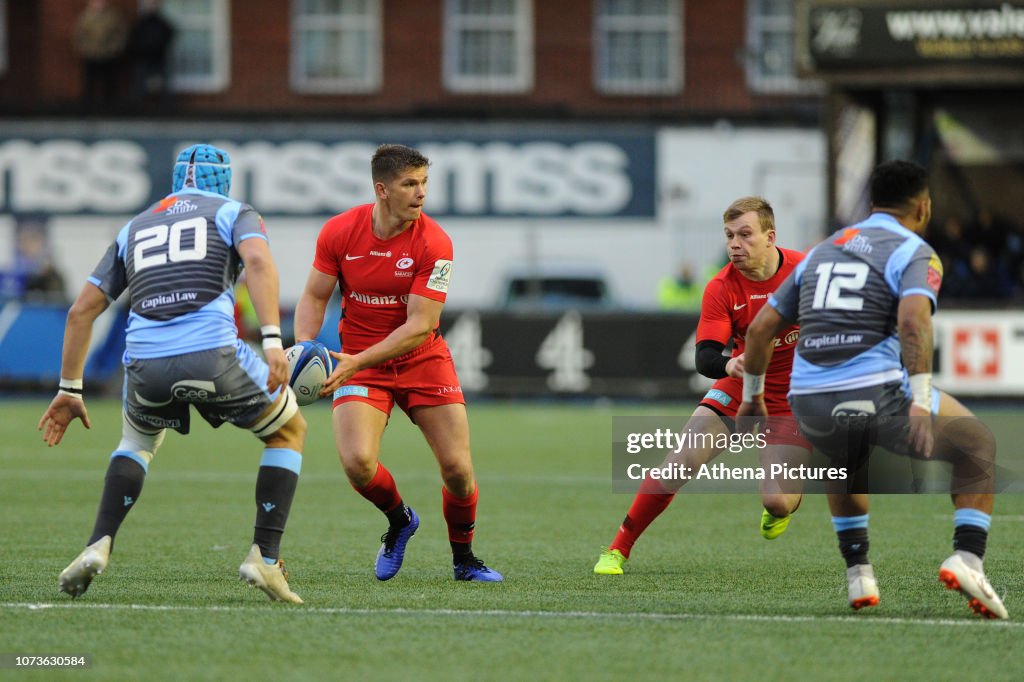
x=226, y=384
x=847, y=425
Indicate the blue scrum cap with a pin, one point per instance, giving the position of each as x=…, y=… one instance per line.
x=204, y=167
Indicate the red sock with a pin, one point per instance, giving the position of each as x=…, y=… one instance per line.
x=381, y=490
x=651, y=499
x=460, y=515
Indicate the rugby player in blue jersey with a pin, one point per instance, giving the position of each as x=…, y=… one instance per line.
x=179, y=260
x=862, y=376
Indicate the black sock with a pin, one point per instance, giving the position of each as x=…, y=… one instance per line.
x=853, y=544
x=970, y=539
x=121, y=489
x=275, y=488
x=461, y=551
x=399, y=516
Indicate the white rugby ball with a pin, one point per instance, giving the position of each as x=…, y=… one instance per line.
x=309, y=365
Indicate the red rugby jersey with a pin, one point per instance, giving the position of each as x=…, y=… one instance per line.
x=377, y=275
x=731, y=301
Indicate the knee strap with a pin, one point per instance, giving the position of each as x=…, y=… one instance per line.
x=142, y=441
x=280, y=414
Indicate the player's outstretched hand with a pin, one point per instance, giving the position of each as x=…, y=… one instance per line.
x=278, y=375
x=62, y=411
x=345, y=367
x=920, y=434
x=750, y=416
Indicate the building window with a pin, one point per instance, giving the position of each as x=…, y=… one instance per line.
x=771, y=56
x=638, y=47
x=336, y=45
x=201, y=54
x=488, y=45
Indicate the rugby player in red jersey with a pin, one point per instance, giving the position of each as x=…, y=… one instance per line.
x=393, y=265
x=731, y=299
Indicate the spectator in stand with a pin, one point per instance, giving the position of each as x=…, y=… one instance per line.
x=1015, y=257
x=680, y=292
x=149, y=46
x=37, y=276
x=982, y=262
x=100, y=36
x=988, y=231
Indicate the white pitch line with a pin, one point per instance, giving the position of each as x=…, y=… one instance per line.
x=508, y=613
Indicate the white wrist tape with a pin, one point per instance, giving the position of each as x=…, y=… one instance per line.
x=271, y=336
x=70, y=387
x=753, y=384
x=921, y=390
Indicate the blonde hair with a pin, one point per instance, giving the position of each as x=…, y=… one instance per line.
x=765, y=214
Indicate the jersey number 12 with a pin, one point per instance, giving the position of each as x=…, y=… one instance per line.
x=833, y=280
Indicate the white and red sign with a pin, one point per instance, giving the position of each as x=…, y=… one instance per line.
x=980, y=353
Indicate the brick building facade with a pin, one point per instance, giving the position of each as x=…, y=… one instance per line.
x=709, y=59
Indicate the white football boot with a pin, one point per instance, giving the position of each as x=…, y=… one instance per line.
x=76, y=577
x=962, y=571
x=271, y=578
x=861, y=586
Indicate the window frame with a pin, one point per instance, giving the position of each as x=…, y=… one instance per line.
x=219, y=78
x=522, y=25
x=757, y=80
x=370, y=81
x=604, y=24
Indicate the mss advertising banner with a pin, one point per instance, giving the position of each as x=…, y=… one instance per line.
x=500, y=172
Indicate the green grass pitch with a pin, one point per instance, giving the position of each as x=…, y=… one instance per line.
x=704, y=596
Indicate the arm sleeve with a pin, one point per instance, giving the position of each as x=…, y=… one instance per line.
x=325, y=259
x=110, y=274
x=923, y=275
x=434, y=269
x=715, y=323
x=248, y=224
x=710, y=361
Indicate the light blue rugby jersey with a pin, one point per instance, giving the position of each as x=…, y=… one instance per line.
x=845, y=294
x=179, y=261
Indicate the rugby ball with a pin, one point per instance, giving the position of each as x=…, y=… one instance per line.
x=309, y=365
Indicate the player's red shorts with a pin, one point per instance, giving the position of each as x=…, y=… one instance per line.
x=423, y=376
x=725, y=397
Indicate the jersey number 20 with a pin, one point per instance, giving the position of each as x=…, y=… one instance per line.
x=151, y=239
x=834, y=279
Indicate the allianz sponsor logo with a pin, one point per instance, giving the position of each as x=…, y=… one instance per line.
x=832, y=340
x=385, y=254
x=536, y=177
x=788, y=340
x=379, y=299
